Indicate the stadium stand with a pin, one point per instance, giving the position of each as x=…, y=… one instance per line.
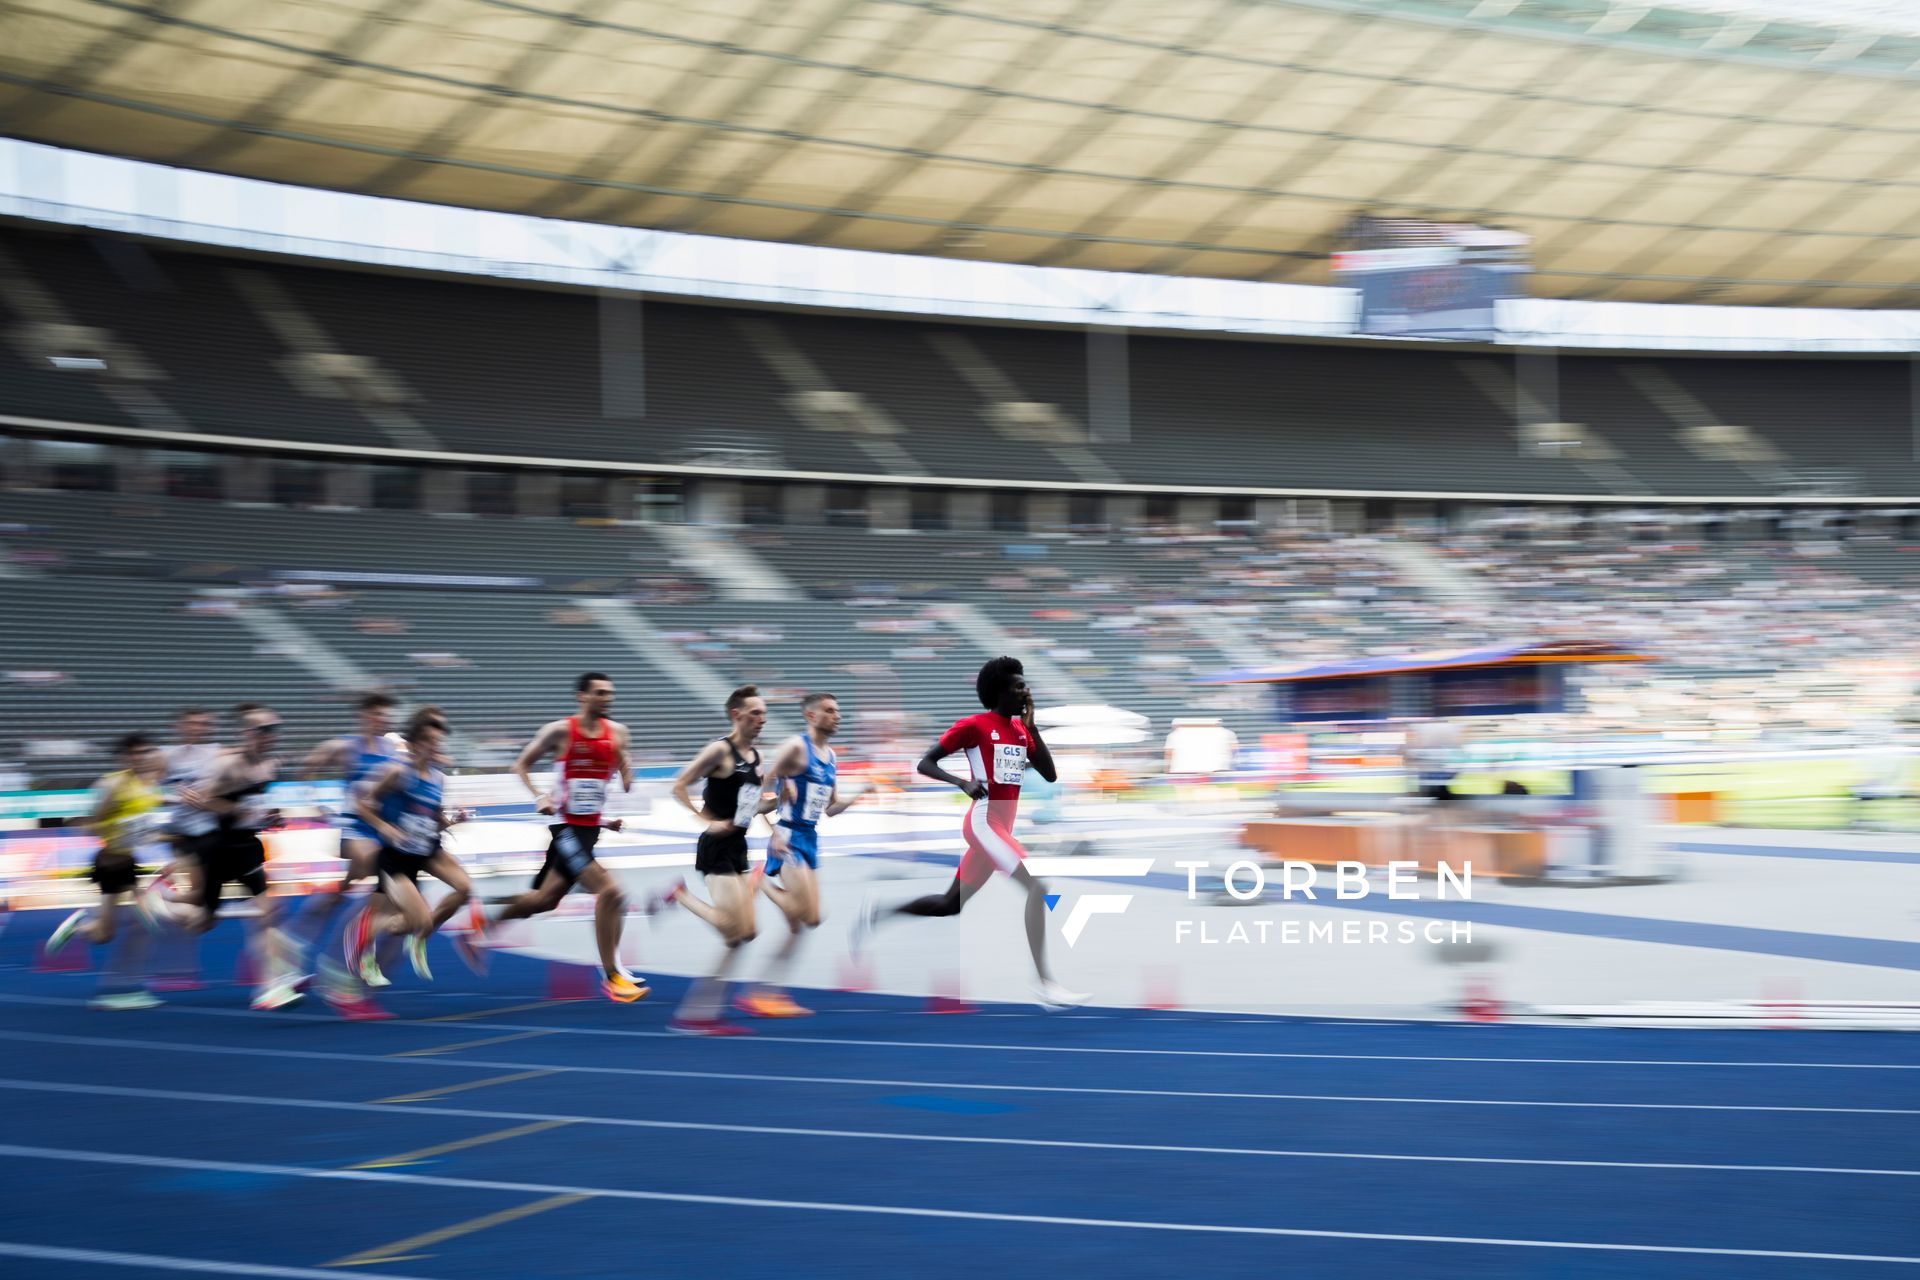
x=307, y=353
x=133, y=607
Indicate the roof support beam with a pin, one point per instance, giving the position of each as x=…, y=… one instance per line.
x=1092, y=125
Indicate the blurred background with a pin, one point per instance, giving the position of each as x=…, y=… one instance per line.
x=1239, y=366
x=1473, y=445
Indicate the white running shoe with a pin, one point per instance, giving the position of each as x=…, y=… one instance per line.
x=120, y=1000
x=862, y=936
x=63, y=932
x=417, y=953
x=1051, y=995
x=279, y=993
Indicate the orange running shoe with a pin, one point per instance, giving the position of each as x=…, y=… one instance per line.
x=769, y=1004
x=624, y=989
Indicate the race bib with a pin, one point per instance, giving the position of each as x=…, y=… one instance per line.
x=1009, y=764
x=816, y=804
x=586, y=796
x=419, y=832
x=747, y=806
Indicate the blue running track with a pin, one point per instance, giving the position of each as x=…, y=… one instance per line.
x=489, y=1132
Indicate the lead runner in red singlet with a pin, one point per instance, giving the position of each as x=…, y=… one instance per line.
x=589, y=749
x=1000, y=745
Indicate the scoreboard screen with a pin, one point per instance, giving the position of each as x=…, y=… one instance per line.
x=1422, y=279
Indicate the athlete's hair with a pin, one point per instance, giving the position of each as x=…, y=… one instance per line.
x=377, y=699
x=995, y=679
x=738, y=698
x=132, y=742
x=423, y=719
x=186, y=712
x=585, y=682
x=241, y=710
x=813, y=700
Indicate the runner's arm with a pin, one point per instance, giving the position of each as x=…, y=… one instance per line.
x=366, y=802
x=1039, y=757
x=624, y=748
x=97, y=816
x=324, y=758
x=697, y=768
x=836, y=806
x=535, y=752
x=930, y=767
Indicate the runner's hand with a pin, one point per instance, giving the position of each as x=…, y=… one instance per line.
x=614, y=824
x=544, y=805
x=976, y=790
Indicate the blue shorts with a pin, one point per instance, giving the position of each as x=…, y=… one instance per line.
x=803, y=845
x=355, y=828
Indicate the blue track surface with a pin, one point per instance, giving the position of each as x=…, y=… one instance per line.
x=489, y=1132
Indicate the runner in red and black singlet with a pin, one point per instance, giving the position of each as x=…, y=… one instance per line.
x=590, y=749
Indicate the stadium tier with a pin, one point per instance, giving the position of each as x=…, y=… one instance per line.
x=155, y=337
x=137, y=606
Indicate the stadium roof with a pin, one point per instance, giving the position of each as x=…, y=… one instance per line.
x=1712, y=152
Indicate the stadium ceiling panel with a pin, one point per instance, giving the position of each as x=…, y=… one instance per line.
x=1704, y=151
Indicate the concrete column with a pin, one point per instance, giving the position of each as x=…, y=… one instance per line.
x=443, y=491
x=1201, y=515
x=247, y=479
x=349, y=486
x=1125, y=511
x=970, y=509
x=19, y=468
x=1047, y=512
x=536, y=493
x=716, y=502
x=888, y=507
x=1273, y=513
x=137, y=471
x=803, y=504
x=622, y=493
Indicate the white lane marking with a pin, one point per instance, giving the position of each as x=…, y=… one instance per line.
x=162, y=1262
x=749, y=1042
x=18, y=1152
x=883, y=1135
x=785, y=1078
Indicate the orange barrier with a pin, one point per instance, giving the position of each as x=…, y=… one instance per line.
x=1489, y=851
x=1693, y=806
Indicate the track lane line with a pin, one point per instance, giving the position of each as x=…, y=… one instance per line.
x=120, y=1159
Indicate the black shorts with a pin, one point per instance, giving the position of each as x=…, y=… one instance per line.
x=115, y=873
x=721, y=853
x=569, y=852
x=401, y=865
x=200, y=848
x=237, y=858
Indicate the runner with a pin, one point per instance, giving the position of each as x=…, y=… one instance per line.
x=235, y=792
x=1000, y=744
x=730, y=800
x=404, y=805
x=806, y=771
x=355, y=759
x=124, y=808
x=188, y=761
x=590, y=750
